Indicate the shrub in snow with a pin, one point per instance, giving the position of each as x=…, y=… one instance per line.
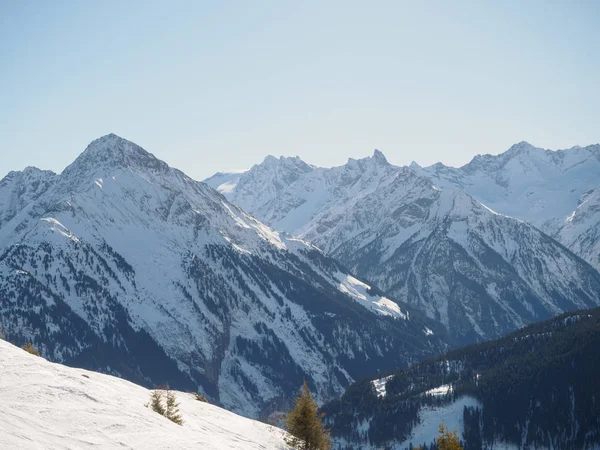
x=171, y=410
x=201, y=398
x=29, y=348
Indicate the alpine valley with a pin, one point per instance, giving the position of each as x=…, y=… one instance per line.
x=485, y=249
x=124, y=265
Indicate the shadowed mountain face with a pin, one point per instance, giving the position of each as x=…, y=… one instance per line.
x=125, y=265
x=481, y=273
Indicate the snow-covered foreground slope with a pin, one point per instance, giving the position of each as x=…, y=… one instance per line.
x=126, y=265
x=50, y=406
x=481, y=273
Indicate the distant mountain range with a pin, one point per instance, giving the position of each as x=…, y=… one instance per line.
x=504, y=241
x=125, y=265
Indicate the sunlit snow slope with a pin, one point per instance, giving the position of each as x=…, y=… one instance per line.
x=50, y=406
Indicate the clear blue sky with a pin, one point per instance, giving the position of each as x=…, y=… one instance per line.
x=213, y=85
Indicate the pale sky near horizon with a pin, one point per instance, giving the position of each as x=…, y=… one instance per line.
x=216, y=85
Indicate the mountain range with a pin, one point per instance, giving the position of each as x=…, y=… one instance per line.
x=486, y=248
x=127, y=266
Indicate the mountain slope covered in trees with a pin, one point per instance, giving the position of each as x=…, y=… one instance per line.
x=533, y=389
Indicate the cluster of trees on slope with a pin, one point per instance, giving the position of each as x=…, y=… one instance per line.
x=537, y=387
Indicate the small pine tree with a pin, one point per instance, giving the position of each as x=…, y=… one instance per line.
x=172, y=412
x=156, y=402
x=29, y=348
x=447, y=440
x=304, y=423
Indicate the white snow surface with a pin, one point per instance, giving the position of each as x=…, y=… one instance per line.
x=51, y=406
x=444, y=389
x=380, y=384
x=360, y=292
x=225, y=182
x=431, y=417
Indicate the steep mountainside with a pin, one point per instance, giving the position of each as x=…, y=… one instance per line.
x=128, y=266
x=533, y=389
x=50, y=406
x=581, y=230
x=480, y=273
x=544, y=187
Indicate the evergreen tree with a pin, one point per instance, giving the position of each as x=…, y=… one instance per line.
x=304, y=423
x=447, y=440
x=172, y=412
x=156, y=402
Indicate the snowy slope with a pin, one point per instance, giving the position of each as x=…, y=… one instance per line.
x=47, y=405
x=541, y=186
x=225, y=182
x=130, y=267
x=480, y=273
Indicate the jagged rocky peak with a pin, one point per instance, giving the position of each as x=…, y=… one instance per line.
x=29, y=173
x=378, y=159
x=19, y=188
x=271, y=162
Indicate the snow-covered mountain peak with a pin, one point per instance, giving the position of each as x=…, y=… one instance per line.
x=29, y=172
x=519, y=147
x=112, y=151
x=19, y=188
